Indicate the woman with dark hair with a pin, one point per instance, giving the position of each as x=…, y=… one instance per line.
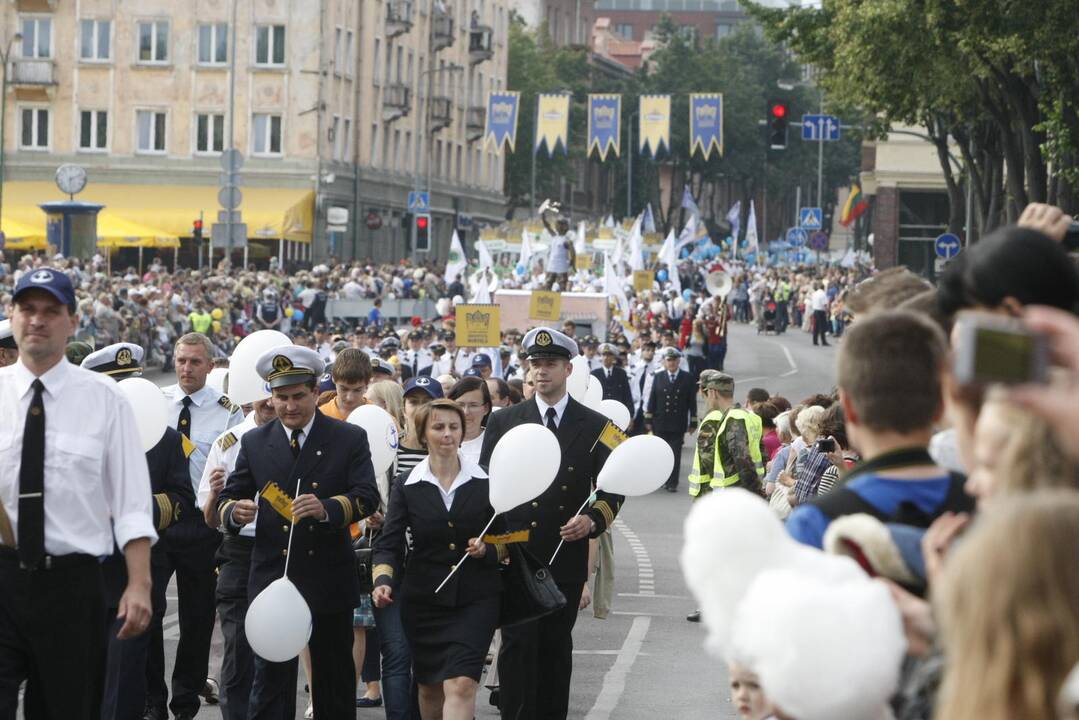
x=1007, y=270
x=474, y=397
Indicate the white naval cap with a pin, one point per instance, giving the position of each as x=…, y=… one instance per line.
x=116, y=359
x=289, y=365
x=545, y=342
x=7, y=337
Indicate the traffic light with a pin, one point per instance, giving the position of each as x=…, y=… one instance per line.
x=423, y=231
x=196, y=230
x=778, y=116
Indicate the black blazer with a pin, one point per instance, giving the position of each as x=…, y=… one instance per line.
x=616, y=387
x=335, y=466
x=671, y=408
x=439, y=539
x=576, y=479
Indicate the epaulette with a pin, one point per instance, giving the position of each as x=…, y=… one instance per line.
x=226, y=441
x=224, y=402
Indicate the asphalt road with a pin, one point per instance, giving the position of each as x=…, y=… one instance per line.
x=645, y=660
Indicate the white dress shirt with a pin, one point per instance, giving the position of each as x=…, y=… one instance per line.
x=97, y=483
x=225, y=457
x=422, y=473
x=305, y=431
x=471, y=448
x=559, y=409
x=209, y=418
x=819, y=300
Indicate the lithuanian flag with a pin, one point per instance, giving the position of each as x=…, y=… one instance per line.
x=856, y=205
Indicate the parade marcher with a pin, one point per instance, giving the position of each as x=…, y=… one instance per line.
x=716, y=317
x=442, y=504
x=441, y=363
x=417, y=357
x=70, y=493
x=322, y=470
x=536, y=661
x=642, y=376
x=125, y=672
x=613, y=378
x=9, y=351
x=671, y=409
x=199, y=413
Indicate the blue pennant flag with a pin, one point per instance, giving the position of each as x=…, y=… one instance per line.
x=706, y=124
x=604, y=124
x=501, y=122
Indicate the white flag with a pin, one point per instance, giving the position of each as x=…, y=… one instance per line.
x=486, y=261
x=649, y=225
x=455, y=263
x=751, y=230
x=525, y=260
x=668, y=255
x=481, y=294
x=619, y=253
x=612, y=286
x=636, y=242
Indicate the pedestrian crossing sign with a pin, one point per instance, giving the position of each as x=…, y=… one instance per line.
x=419, y=202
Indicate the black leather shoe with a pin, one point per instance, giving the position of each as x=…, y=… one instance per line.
x=493, y=700
x=694, y=616
x=366, y=702
x=210, y=692
x=671, y=488
x=154, y=713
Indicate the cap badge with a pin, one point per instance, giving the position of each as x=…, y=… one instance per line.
x=123, y=357
x=281, y=363
x=41, y=277
x=423, y=381
x=543, y=339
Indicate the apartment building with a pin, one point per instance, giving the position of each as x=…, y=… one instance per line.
x=338, y=104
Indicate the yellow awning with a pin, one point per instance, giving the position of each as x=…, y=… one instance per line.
x=170, y=210
x=113, y=231
x=24, y=237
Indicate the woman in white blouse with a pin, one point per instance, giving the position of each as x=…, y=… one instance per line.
x=474, y=397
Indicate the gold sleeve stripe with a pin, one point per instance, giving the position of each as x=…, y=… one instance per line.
x=605, y=510
x=359, y=509
x=520, y=536
x=224, y=509
x=502, y=551
x=164, y=510
x=383, y=569
x=346, y=507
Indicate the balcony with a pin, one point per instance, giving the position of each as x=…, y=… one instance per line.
x=396, y=101
x=442, y=30
x=475, y=122
x=441, y=109
x=479, y=44
x=34, y=73
x=398, y=17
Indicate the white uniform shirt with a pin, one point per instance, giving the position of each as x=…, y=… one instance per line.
x=819, y=300
x=97, y=483
x=223, y=453
x=441, y=366
x=416, y=359
x=639, y=394
x=209, y=418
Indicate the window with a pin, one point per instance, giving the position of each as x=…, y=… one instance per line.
x=93, y=130
x=723, y=29
x=94, y=40
x=35, y=129
x=624, y=29
x=350, y=57
x=270, y=45
x=209, y=133
x=150, y=127
x=37, y=37
x=266, y=138
x=213, y=44
x=346, y=142
x=154, y=41
x=374, y=64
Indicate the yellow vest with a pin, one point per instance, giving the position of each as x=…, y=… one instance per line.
x=727, y=476
x=200, y=322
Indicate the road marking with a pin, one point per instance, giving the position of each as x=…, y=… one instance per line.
x=604, y=652
x=790, y=359
x=171, y=631
x=614, y=682
x=653, y=595
x=645, y=577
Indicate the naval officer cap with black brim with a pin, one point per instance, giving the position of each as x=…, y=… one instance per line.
x=289, y=365
x=544, y=342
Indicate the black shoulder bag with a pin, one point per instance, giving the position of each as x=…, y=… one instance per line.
x=529, y=589
x=361, y=548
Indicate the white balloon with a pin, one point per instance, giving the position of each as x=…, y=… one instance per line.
x=150, y=407
x=278, y=623
x=381, y=434
x=245, y=385
x=593, y=394
x=216, y=379
x=577, y=382
x=616, y=412
x=637, y=467
x=524, y=463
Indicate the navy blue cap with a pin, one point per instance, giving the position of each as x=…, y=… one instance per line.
x=426, y=383
x=472, y=372
x=481, y=360
x=50, y=280
x=326, y=381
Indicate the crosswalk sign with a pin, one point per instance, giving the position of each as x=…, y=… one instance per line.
x=419, y=202
x=810, y=218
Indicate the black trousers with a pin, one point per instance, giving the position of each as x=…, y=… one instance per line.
x=535, y=664
x=196, y=580
x=333, y=681
x=238, y=663
x=52, y=635
x=675, y=440
x=820, y=326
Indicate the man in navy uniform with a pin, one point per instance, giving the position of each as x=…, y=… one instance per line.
x=125, y=669
x=536, y=661
x=308, y=476
x=613, y=379
x=673, y=400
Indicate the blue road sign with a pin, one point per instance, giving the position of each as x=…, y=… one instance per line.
x=820, y=127
x=948, y=245
x=797, y=237
x=419, y=202
x=818, y=241
x=810, y=218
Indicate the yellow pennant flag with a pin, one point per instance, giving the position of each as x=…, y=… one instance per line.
x=611, y=436
x=655, y=123
x=279, y=500
x=552, y=123
x=189, y=447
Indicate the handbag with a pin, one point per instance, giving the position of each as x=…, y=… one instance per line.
x=529, y=590
x=361, y=548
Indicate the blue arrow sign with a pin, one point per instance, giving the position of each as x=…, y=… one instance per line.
x=810, y=218
x=419, y=202
x=948, y=245
x=820, y=127
x=796, y=237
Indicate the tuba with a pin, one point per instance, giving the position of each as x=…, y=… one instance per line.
x=719, y=283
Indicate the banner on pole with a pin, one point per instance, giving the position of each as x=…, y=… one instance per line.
x=604, y=124
x=655, y=124
x=501, y=121
x=705, y=124
x=642, y=280
x=552, y=123
x=545, y=305
x=478, y=325
x=584, y=261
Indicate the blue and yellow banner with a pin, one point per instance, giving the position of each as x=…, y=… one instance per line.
x=604, y=124
x=655, y=123
x=552, y=122
x=705, y=123
x=501, y=122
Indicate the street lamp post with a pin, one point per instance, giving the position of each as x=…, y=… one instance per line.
x=629, y=166
x=17, y=37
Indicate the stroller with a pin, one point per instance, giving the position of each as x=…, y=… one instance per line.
x=767, y=322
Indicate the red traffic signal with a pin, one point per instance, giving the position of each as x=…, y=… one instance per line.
x=779, y=110
x=421, y=222
x=197, y=225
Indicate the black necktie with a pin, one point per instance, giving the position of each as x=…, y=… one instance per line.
x=184, y=424
x=32, y=483
x=552, y=416
x=295, y=444
x=671, y=376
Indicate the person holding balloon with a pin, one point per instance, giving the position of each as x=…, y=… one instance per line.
x=443, y=503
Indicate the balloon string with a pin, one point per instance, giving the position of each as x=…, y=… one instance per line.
x=562, y=542
x=288, y=551
x=465, y=556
